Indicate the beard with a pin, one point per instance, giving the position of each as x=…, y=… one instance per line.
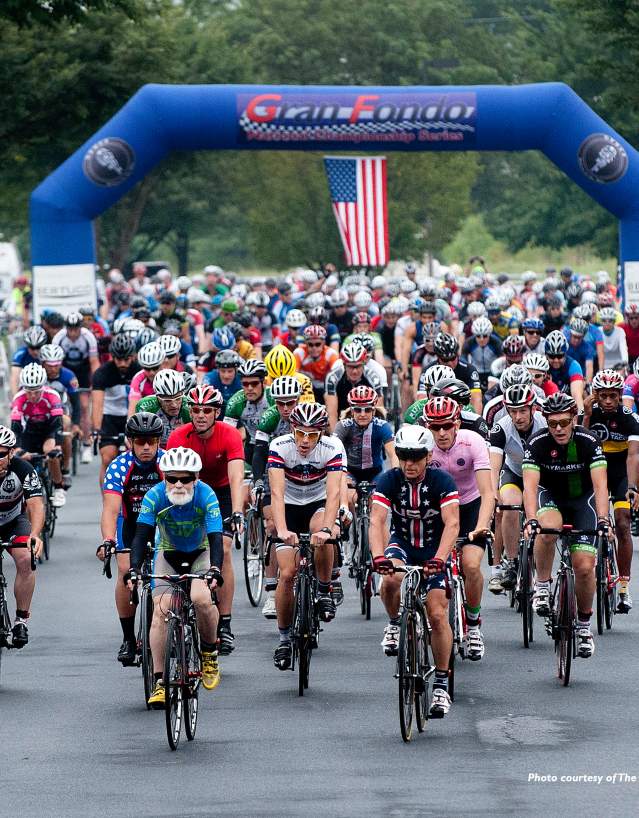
x=180, y=497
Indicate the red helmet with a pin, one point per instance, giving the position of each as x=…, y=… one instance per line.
x=315, y=332
x=440, y=409
x=514, y=346
x=631, y=309
x=362, y=396
x=353, y=353
x=205, y=395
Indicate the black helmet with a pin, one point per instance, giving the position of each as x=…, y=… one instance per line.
x=445, y=346
x=144, y=424
x=73, y=319
x=145, y=336
x=451, y=388
x=139, y=302
x=122, y=346
x=559, y=402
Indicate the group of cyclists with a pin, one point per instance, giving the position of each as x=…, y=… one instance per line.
x=453, y=394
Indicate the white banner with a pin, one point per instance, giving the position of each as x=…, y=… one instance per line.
x=63, y=287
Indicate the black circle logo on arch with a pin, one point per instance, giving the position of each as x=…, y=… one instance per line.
x=109, y=162
x=602, y=158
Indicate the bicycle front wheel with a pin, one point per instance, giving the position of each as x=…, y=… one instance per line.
x=526, y=599
x=406, y=671
x=174, y=678
x=193, y=665
x=565, y=626
x=601, y=574
x=610, y=602
x=424, y=671
x=254, y=556
x=144, y=641
x=303, y=627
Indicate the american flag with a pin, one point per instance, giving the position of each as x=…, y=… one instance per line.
x=358, y=192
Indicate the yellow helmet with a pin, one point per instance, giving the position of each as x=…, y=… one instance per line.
x=280, y=361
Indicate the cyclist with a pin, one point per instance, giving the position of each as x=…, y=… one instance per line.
x=513, y=348
x=630, y=327
x=483, y=348
x=66, y=385
x=34, y=339
x=179, y=354
x=340, y=315
x=423, y=357
x=244, y=409
x=533, y=329
x=346, y=375
x=222, y=454
x=508, y=439
x=295, y=320
x=580, y=349
x=617, y=429
x=503, y=322
x=565, y=481
x=538, y=366
x=316, y=359
x=464, y=456
x=127, y=479
x=446, y=349
x=564, y=370
x=614, y=341
x=151, y=359
x=81, y=356
x=263, y=319
x=185, y=515
x=281, y=361
x=424, y=506
x=224, y=377
x=371, y=364
x=362, y=326
x=305, y=477
x=36, y=421
x=168, y=403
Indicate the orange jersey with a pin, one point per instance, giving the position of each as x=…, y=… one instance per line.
x=316, y=368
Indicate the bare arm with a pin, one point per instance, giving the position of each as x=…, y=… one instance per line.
x=577, y=391
x=389, y=448
x=377, y=529
x=531, y=487
x=97, y=408
x=35, y=513
x=496, y=461
x=236, y=481
x=333, y=493
x=276, y=483
x=111, y=504
x=487, y=507
x=600, y=485
x=475, y=400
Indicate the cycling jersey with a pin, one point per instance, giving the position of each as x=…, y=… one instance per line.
x=422, y=358
x=482, y=357
x=23, y=357
x=505, y=325
x=239, y=410
x=26, y=413
x=152, y=404
x=130, y=479
x=416, y=506
x=227, y=389
x=181, y=528
x=467, y=455
x=632, y=338
x=506, y=440
x=332, y=335
x=316, y=368
x=20, y=483
x=141, y=386
x=615, y=348
x=463, y=372
x=344, y=323
x=216, y=452
x=614, y=430
x=469, y=420
x=115, y=385
x=305, y=477
x=337, y=383
x=77, y=353
x=582, y=352
x=631, y=389
x=364, y=444
x=566, y=374
x=387, y=335
x=271, y=424
x=495, y=409
x=66, y=385
x=265, y=326
x=565, y=470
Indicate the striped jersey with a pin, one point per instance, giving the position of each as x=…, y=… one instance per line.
x=305, y=477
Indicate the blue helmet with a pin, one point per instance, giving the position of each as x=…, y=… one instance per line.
x=223, y=339
x=533, y=323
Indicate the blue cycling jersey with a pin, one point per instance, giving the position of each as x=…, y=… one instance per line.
x=23, y=357
x=364, y=445
x=213, y=379
x=181, y=528
x=568, y=372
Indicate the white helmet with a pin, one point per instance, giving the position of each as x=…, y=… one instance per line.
x=170, y=344
x=407, y=286
x=481, y=326
x=529, y=275
x=438, y=372
x=314, y=300
x=52, y=354
x=377, y=282
x=151, y=355
x=533, y=360
x=414, y=439
x=183, y=283
x=7, y=437
x=133, y=327
x=362, y=300
x=118, y=325
x=286, y=387
x=180, y=459
x=168, y=383
x=33, y=376
x=475, y=310
x=339, y=298
x=295, y=319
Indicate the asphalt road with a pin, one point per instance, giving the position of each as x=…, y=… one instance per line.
x=77, y=739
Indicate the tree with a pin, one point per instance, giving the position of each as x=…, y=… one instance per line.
x=50, y=12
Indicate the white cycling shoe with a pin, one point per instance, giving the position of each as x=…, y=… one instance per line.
x=440, y=703
x=390, y=640
x=59, y=498
x=87, y=455
x=475, y=643
x=586, y=643
x=268, y=609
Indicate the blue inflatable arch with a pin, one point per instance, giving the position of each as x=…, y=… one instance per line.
x=548, y=117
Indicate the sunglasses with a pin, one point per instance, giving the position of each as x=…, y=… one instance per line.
x=559, y=424
x=300, y=435
x=358, y=410
x=184, y=480
x=314, y=344
x=142, y=441
x=533, y=332
x=556, y=357
x=250, y=384
x=410, y=454
x=4, y=454
x=538, y=376
x=202, y=410
x=286, y=403
x=441, y=427
x=482, y=336
x=151, y=368
x=227, y=369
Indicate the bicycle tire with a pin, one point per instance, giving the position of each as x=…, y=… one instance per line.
x=365, y=584
x=52, y=522
x=527, y=612
x=173, y=681
x=303, y=623
x=406, y=667
x=46, y=545
x=193, y=664
x=74, y=455
x=564, y=642
x=144, y=630
x=254, y=557
x=424, y=671
x=601, y=575
x=612, y=578
x=453, y=649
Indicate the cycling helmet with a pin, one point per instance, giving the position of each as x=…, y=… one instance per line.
x=205, y=395
x=519, y=395
x=574, y=291
x=378, y=282
x=315, y=332
x=190, y=381
x=145, y=337
x=87, y=311
x=529, y=275
x=353, y=354
x=280, y=361
x=514, y=345
x=441, y=409
x=556, y=343
x=366, y=340
x=309, y=416
x=314, y=300
x=285, y=388
x=33, y=376
x=559, y=402
x=295, y=319
x=227, y=358
x=413, y=441
x=533, y=323
x=151, y=355
x=430, y=329
x=252, y=369
x=608, y=379
x=392, y=308
x=451, y=388
x=362, y=396
x=446, y=346
x=51, y=354
x=578, y=326
x=427, y=289
x=170, y=344
x=73, y=319
x=513, y=375
x=338, y=298
x=608, y=314
x=410, y=267
x=36, y=337
x=122, y=346
x=168, y=383
x=118, y=324
x=7, y=437
x=180, y=459
x=361, y=318
x=534, y=360
x=475, y=310
x=259, y=299
x=555, y=301
x=583, y=311
x=481, y=326
x=223, y=339
x=493, y=304
x=172, y=328
x=133, y=327
x=629, y=309
x=436, y=373
x=362, y=300
x=144, y=424
x=416, y=303
x=318, y=315
x=407, y=286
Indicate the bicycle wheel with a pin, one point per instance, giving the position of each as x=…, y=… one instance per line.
x=193, y=665
x=526, y=599
x=565, y=626
x=365, y=584
x=453, y=648
x=424, y=671
x=601, y=574
x=303, y=623
x=144, y=642
x=610, y=601
x=254, y=556
x=406, y=669
x=46, y=545
x=174, y=667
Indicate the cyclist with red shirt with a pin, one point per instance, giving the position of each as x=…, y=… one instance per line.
x=631, y=327
x=222, y=453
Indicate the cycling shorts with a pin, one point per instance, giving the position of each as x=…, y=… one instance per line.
x=33, y=440
x=18, y=527
x=298, y=518
x=468, y=516
x=398, y=549
x=355, y=476
x=198, y=561
x=112, y=427
x=509, y=478
x=618, y=484
x=82, y=372
x=579, y=513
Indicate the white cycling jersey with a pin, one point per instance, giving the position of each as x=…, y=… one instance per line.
x=506, y=440
x=305, y=477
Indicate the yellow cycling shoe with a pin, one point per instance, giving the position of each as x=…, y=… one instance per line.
x=210, y=671
x=158, y=697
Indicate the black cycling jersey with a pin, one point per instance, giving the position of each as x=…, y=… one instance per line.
x=550, y=323
x=614, y=430
x=344, y=323
x=475, y=423
x=342, y=386
x=115, y=385
x=463, y=372
x=20, y=483
x=564, y=470
x=387, y=334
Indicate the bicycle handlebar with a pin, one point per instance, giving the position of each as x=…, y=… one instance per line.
x=10, y=543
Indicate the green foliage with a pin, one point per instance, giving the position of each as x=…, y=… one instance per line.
x=50, y=12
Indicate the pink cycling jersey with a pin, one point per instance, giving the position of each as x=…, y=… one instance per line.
x=467, y=455
x=141, y=387
x=42, y=411
x=631, y=388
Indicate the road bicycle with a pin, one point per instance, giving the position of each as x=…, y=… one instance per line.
x=456, y=613
x=362, y=562
x=5, y=619
x=414, y=665
x=607, y=578
x=522, y=594
x=394, y=415
x=255, y=549
x=39, y=462
x=305, y=629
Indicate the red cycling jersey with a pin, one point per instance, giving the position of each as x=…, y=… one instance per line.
x=224, y=445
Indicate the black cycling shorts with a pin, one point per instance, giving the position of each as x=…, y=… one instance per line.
x=579, y=512
x=82, y=372
x=468, y=516
x=112, y=427
x=399, y=549
x=508, y=477
x=298, y=518
x=18, y=527
x=32, y=440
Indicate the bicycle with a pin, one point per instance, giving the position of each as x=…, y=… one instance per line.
x=38, y=461
x=395, y=399
x=607, y=577
x=414, y=666
x=254, y=549
x=5, y=619
x=362, y=562
x=521, y=595
x=456, y=613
